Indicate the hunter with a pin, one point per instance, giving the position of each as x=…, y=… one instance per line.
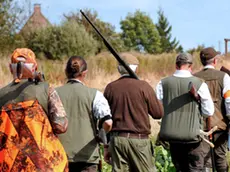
x=182, y=120
x=219, y=86
x=131, y=101
x=31, y=116
x=84, y=106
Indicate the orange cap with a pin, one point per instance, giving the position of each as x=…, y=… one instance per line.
x=23, y=52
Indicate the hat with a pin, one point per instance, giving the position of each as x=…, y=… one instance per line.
x=129, y=58
x=208, y=53
x=23, y=54
x=184, y=58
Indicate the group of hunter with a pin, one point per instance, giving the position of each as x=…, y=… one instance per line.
x=46, y=129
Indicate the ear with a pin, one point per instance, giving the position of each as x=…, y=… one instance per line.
x=215, y=61
x=177, y=68
x=83, y=74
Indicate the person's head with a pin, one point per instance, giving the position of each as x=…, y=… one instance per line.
x=131, y=60
x=184, y=61
x=209, y=56
x=76, y=68
x=23, y=64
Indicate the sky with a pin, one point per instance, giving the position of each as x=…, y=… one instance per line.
x=194, y=22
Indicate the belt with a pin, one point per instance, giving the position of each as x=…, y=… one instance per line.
x=131, y=135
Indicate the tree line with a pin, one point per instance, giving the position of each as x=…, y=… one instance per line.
x=75, y=36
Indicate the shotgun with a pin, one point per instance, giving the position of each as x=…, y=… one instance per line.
x=111, y=49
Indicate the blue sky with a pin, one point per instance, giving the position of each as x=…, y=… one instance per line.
x=193, y=21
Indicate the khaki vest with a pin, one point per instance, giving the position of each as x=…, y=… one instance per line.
x=27, y=142
x=79, y=140
x=182, y=119
x=214, y=80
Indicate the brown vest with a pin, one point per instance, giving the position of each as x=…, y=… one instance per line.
x=214, y=80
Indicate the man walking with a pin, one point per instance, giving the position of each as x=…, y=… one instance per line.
x=131, y=101
x=84, y=106
x=31, y=116
x=219, y=86
x=182, y=118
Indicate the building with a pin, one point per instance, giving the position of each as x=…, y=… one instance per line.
x=36, y=21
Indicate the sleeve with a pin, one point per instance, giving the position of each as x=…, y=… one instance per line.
x=56, y=112
x=226, y=94
x=159, y=91
x=155, y=108
x=207, y=106
x=101, y=109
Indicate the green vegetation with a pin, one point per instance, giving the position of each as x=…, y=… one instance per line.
x=164, y=29
x=59, y=42
x=140, y=33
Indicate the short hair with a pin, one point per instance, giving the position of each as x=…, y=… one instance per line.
x=207, y=62
x=75, y=66
x=179, y=64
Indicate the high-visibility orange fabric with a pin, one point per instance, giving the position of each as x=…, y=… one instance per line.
x=227, y=94
x=23, y=52
x=27, y=142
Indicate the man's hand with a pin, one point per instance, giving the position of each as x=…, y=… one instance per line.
x=107, y=155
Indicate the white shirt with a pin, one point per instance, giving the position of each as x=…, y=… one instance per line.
x=100, y=105
x=226, y=87
x=207, y=106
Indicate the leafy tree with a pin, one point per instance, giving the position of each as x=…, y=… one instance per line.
x=107, y=30
x=58, y=42
x=10, y=22
x=164, y=29
x=139, y=33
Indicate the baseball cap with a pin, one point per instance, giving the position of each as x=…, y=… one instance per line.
x=184, y=58
x=23, y=54
x=208, y=53
x=129, y=58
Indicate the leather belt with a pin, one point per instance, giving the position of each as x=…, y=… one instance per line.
x=131, y=135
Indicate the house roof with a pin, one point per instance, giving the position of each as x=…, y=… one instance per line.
x=36, y=20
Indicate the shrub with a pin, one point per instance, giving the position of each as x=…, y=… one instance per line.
x=58, y=42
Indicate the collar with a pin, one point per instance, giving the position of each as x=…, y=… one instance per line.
x=75, y=81
x=209, y=67
x=182, y=73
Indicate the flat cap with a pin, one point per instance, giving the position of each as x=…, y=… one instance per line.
x=208, y=53
x=129, y=58
x=184, y=58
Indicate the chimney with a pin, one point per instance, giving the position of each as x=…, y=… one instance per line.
x=37, y=8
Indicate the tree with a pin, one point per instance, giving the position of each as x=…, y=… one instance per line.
x=164, y=29
x=10, y=22
x=139, y=33
x=58, y=42
x=107, y=30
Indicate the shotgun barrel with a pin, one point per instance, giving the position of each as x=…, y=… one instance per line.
x=111, y=49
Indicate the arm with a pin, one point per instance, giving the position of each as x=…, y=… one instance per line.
x=56, y=112
x=101, y=111
x=159, y=91
x=207, y=106
x=226, y=94
x=155, y=107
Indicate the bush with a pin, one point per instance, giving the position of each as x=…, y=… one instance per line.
x=58, y=42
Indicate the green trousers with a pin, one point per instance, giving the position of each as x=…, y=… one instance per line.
x=131, y=155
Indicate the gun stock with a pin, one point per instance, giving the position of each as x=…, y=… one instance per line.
x=224, y=69
x=192, y=90
x=110, y=48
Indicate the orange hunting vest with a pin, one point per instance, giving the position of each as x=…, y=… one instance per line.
x=27, y=142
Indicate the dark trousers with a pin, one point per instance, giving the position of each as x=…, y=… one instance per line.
x=187, y=157
x=82, y=167
x=220, y=140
